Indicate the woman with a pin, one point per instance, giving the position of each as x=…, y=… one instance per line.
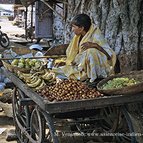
x=88, y=54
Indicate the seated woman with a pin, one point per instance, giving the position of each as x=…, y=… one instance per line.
x=88, y=54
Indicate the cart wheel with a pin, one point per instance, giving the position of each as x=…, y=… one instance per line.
x=110, y=124
x=41, y=128
x=37, y=126
x=116, y=125
x=21, y=115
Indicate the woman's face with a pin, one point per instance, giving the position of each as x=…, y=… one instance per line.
x=77, y=30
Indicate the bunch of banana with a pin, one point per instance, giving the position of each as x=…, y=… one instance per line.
x=28, y=76
x=49, y=76
x=24, y=76
x=32, y=80
x=41, y=85
x=36, y=83
x=39, y=72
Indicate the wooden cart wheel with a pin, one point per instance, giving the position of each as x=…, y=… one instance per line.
x=117, y=123
x=41, y=127
x=37, y=126
x=21, y=115
x=109, y=124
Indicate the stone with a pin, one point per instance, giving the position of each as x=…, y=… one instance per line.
x=11, y=135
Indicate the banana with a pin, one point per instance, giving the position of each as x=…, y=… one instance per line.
x=49, y=77
x=41, y=72
x=21, y=77
x=34, y=74
x=32, y=79
x=38, y=73
x=41, y=85
x=35, y=84
x=26, y=74
x=18, y=73
x=53, y=78
x=27, y=79
x=45, y=75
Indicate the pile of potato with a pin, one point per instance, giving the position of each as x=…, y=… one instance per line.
x=69, y=90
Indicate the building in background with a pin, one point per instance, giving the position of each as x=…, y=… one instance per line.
x=41, y=19
x=7, y=1
x=7, y=13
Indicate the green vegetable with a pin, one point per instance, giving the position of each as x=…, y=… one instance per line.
x=119, y=83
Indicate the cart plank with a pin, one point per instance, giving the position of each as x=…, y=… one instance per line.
x=100, y=102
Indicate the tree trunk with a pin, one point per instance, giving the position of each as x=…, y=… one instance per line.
x=121, y=22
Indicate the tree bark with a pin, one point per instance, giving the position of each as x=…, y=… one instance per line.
x=121, y=22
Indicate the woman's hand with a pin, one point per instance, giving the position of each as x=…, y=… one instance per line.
x=73, y=63
x=88, y=45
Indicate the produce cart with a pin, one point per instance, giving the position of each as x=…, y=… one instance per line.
x=103, y=119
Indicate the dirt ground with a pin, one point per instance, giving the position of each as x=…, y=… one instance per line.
x=6, y=123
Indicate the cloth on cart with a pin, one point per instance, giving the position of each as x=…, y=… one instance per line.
x=39, y=52
x=91, y=63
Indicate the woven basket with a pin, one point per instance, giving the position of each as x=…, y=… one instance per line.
x=14, y=69
x=136, y=88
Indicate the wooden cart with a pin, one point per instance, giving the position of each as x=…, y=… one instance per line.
x=104, y=119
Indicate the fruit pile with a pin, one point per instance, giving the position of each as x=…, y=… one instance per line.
x=68, y=90
x=27, y=63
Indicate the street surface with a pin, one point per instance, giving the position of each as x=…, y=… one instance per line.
x=8, y=28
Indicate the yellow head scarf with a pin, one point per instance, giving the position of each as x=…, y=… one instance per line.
x=75, y=47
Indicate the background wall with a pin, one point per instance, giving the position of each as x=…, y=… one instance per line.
x=121, y=21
